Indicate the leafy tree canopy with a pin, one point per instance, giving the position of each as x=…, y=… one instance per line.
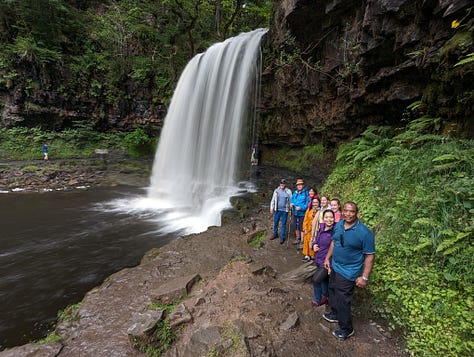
x=102, y=49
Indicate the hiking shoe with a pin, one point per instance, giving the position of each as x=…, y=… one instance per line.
x=330, y=317
x=275, y=236
x=343, y=334
x=282, y=241
x=324, y=300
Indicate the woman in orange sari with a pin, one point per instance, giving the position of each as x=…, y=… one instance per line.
x=308, y=228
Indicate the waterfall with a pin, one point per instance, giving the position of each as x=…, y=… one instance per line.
x=196, y=163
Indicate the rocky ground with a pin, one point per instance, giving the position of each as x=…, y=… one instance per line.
x=229, y=299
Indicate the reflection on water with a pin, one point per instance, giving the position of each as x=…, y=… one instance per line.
x=54, y=247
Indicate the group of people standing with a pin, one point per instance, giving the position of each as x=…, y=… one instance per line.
x=337, y=242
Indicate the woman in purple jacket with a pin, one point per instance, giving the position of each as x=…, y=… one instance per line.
x=320, y=247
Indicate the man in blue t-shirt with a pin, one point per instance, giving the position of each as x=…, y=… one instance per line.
x=353, y=252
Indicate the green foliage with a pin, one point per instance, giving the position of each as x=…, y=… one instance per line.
x=165, y=307
x=139, y=143
x=51, y=338
x=80, y=141
x=106, y=50
x=160, y=340
x=232, y=338
x=415, y=189
x=460, y=42
x=69, y=314
x=27, y=49
x=258, y=241
x=468, y=59
x=162, y=336
x=296, y=159
x=371, y=144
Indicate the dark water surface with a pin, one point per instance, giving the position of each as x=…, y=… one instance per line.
x=54, y=247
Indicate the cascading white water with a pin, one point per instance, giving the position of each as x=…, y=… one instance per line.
x=194, y=171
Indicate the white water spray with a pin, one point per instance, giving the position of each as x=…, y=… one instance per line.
x=195, y=167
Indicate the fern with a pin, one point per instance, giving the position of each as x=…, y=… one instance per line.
x=445, y=157
x=468, y=59
x=421, y=139
x=424, y=124
x=454, y=243
x=371, y=143
x=414, y=105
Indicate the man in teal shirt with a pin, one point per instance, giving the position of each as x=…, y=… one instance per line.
x=349, y=260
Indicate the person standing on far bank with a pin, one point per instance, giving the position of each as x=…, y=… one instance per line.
x=279, y=208
x=45, y=152
x=349, y=260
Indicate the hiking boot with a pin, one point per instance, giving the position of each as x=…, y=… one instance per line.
x=324, y=300
x=315, y=303
x=330, y=317
x=282, y=240
x=343, y=334
x=275, y=236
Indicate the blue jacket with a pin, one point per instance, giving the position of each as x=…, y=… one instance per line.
x=300, y=199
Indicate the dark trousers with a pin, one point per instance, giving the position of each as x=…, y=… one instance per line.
x=341, y=291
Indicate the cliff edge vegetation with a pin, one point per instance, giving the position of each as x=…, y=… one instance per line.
x=414, y=187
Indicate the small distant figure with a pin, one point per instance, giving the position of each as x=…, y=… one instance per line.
x=45, y=152
x=255, y=158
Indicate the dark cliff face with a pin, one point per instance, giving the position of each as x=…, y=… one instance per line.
x=337, y=66
x=54, y=110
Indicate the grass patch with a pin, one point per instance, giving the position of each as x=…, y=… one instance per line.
x=162, y=336
x=69, y=314
x=160, y=340
x=168, y=308
x=258, y=241
x=51, y=338
x=231, y=344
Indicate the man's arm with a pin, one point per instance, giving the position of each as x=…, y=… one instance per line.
x=362, y=281
x=327, y=261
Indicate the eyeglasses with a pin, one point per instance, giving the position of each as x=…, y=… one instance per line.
x=341, y=238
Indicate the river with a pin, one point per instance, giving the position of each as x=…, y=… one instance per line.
x=56, y=246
